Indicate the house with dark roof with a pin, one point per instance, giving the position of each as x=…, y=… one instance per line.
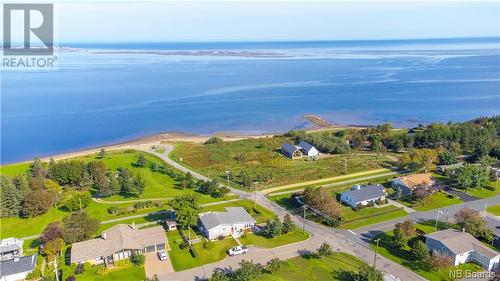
x=363, y=195
x=117, y=243
x=11, y=248
x=234, y=221
x=462, y=248
x=17, y=268
x=298, y=151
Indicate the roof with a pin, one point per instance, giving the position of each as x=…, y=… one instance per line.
x=10, y=244
x=461, y=242
x=413, y=180
x=232, y=215
x=306, y=146
x=288, y=147
x=18, y=265
x=117, y=238
x=365, y=192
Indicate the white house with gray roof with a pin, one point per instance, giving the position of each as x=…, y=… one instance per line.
x=462, y=248
x=234, y=221
x=17, y=268
x=308, y=149
x=304, y=149
x=11, y=248
x=363, y=195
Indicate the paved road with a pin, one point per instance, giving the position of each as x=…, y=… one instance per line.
x=341, y=240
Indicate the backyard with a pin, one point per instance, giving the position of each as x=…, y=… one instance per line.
x=260, y=159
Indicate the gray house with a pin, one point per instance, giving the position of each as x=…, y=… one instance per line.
x=291, y=151
x=363, y=195
x=234, y=221
x=17, y=268
x=462, y=248
x=11, y=248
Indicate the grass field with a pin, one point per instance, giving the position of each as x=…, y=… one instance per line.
x=371, y=215
x=182, y=259
x=495, y=210
x=260, y=158
x=260, y=214
x=340, y=266
x=433, y=201
x=403, y=256
x=258, y=240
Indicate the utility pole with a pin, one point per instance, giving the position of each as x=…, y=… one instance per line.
x=255, y=195
x=484, y=214
x=304, y=220
x=345, y=165
x=437, y=219
x=376, y=252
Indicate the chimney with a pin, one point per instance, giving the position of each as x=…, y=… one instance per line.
x=103, y=235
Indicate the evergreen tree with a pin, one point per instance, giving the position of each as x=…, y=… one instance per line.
x=419, y=251
x=288, y=225
x=11, y=197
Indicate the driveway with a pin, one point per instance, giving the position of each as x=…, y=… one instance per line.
x=154, y=266
x=462, y=195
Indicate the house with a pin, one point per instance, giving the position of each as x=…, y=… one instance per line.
x=17, y=268
x=291, y=151
x=462, y=248
x=308, y=149
x=117, y=243
x=298, y=151
x=11, y=248
x=363, y=195
x=407, y=184
x=450, y=169
x=234, y=221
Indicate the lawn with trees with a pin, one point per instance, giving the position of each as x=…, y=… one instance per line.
x=259, y=213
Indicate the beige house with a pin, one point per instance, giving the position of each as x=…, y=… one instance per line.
x=117, y=243
x=407, y=184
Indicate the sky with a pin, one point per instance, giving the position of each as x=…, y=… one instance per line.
x=154, y=21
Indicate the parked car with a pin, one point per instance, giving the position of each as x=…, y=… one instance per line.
x=162, y=256
x=154, y=146
x=237, y=250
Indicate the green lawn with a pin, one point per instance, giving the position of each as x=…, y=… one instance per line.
x=495, y=210
x=14, y=169
x=492, y=189
x=132, y=273
x=370, y=215
x=340, y=266
x=403, y=256
x=160, y=151
x=182, y=259
x=260, y=214
x=433, y=201
x=260, y=158
x=258, y=240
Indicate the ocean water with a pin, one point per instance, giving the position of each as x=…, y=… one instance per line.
x=106, y=93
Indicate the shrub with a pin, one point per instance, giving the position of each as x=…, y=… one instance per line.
x=193, y=252
x=137, y=260
x=214, y=140
x=71, y=278
x=208, y=244
x=331, y=222
x=184, y=245
x=274, y=265
x=124, y=262
x=100, y=270
x=113, y=210
x=143, y=204
x=80, y=268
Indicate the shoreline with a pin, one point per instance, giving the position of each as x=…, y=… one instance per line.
x=166, y=137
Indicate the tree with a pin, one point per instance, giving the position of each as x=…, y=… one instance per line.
x=368, y=273
x=408, y=227
x=51, y=232
x=320, y=199
x=248, y=270
x=101, y=154
x=471, y=221
x=53, y=248
x=214, y=140
x=186, y=210
x=124, y=179
x=219, y=275
x=420, y=160
x=68, y=172
x=141, y=161
x=78, y=226
x=419, y=251
x=400, y=239
x=78, y=200
x=136, y=185
x=113, y=186
x=448, y=157
x=274, y=265
x=11, y=198
x=439, y=261
x=36, y=169
x=137, y=259
x=37, y=202
x=288, y=225
x=273, y=228
x=99, y=177
x=474, y=176
x=324, y=250
x=22, y=184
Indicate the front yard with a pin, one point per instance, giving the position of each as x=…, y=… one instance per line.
x=207, y=252
x=259, y=213
x=260, y=241
x=370, y=215
x=495, y=210
x=433, y=201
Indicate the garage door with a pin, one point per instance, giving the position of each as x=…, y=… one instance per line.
x=160, y=247
x=150, y=249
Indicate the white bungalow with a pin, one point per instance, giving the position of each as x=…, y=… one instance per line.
x=308, y=149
